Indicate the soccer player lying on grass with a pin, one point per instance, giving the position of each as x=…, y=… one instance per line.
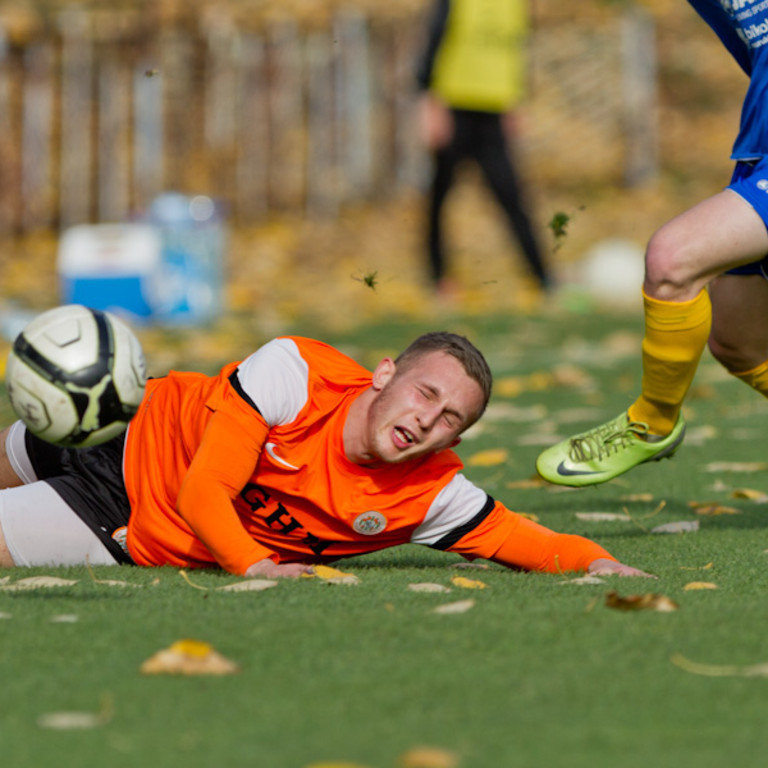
x=721, y=243
x=297, y=455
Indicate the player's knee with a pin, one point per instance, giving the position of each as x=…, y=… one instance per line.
x=667, y=265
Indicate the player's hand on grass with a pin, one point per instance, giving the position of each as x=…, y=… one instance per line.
x=605, y=567
x=271, y=570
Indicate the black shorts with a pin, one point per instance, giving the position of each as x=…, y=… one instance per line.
x=90, y=480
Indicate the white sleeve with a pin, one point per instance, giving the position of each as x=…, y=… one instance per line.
x=276, y=378
x=456, y=510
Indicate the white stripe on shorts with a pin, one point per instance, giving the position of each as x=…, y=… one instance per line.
x=41, y=529
x=16, y=451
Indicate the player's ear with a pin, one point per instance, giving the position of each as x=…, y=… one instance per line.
x=383, y=372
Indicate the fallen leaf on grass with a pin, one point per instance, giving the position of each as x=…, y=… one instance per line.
x=428, y=757
x=107, y=582
x=5, y=615
x=509, y=386
x=465, y=583
x=680, y=526
x=588, y=579
x=78, y=721
x=37, y=582
x=184, y=575
x=602, y=516
x=572, y=377
x=720, y=670
x=470, y=566
x=759, y=497
x=529, y=482
x=712, y=508
x=697, y=567
x=647, y=602
x=116, y=583
x=64, y=618
x=699, y=585
x=69, y=721
x=332, y=575
x=461, y=606
x=426, y=586
x=700, y=435
x=736, y=466
x=490, y=458
x=716, y=510
x=250, y=585
x=539, y=381
x=188, y=657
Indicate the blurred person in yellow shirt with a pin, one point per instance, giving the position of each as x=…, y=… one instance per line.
x=472, y=75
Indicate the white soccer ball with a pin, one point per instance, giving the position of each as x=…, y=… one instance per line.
x=76, y=376
x=613, y=271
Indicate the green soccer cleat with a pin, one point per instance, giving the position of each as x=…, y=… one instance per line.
x=606, y=451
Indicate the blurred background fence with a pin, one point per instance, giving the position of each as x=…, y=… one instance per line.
x=102, y=107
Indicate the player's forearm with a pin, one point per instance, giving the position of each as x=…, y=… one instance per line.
x=515, y=541
x=535, y=548
x=207, y=509
x=223, y=463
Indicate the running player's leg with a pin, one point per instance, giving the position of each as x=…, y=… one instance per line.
x=720, y=233
x=739, y=337
x=683, y=257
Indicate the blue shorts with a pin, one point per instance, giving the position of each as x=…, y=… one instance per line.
x=750, y=182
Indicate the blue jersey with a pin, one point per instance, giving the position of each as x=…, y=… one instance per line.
x=742, y=26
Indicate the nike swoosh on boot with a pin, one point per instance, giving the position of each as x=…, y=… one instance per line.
x=565, y=471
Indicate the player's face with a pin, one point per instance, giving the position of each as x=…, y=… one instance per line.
x=422, y=409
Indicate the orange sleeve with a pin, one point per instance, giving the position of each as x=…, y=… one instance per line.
x=517, y=542
x=222, y=465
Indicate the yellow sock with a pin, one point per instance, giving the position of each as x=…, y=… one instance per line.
x=675, y=336
x=757, y=378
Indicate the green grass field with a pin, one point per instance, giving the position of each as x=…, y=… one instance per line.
x=539, y=672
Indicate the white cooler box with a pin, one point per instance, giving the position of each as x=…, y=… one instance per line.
x=113, y=267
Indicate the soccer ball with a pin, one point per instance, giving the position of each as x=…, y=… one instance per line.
x=613, y=272
x=76, y=376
